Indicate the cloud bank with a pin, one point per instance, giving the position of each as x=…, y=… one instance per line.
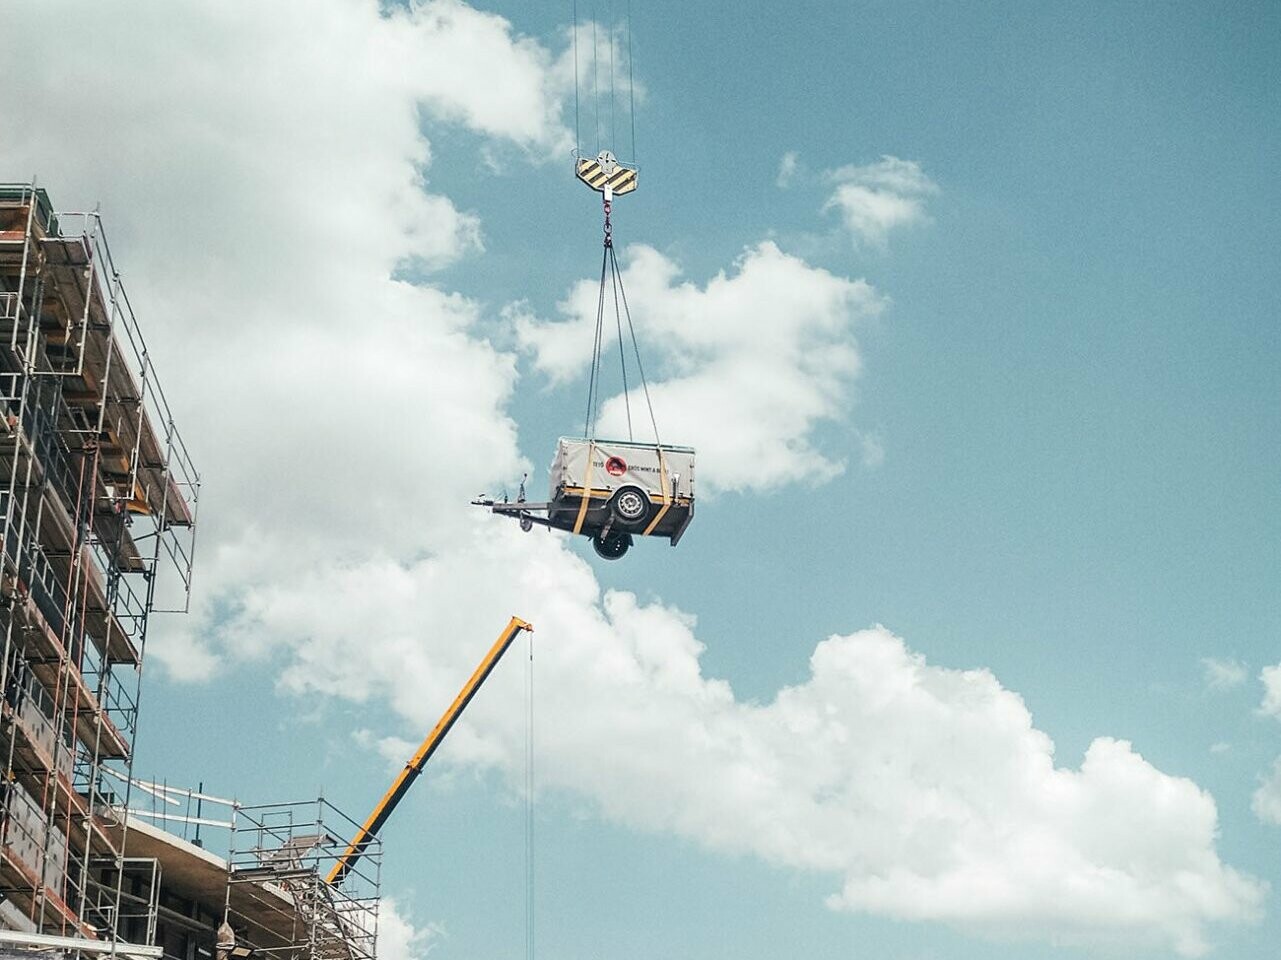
x=927, y=791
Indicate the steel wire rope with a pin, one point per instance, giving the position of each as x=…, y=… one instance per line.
x=577, y=135
x=529, y=800
x=622, y=353
x=609, y=34
x=609, y=260
x=640, y=366
x=595, y=79
x=594, y=387
x=593, y=384
x=631, y=83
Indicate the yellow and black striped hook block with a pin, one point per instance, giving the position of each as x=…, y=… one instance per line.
x=605, y=174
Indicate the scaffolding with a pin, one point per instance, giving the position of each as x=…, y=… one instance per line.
x=281, y=854
x=98, y=508
x=270, y=898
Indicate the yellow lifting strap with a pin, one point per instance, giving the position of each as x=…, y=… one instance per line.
x=667, y=500
x=587, y=490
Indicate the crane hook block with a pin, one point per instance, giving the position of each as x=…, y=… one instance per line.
x=605, y=173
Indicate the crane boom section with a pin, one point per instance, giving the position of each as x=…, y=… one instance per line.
x=404, y=780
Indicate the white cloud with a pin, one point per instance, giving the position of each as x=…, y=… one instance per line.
x=749, y=364
x=872, y=450
x=1270, y=677
x=1266, y=800
x=261, y=197
x=1223, y=674
x=787, y=169
x=1220, y=747
x=879, y=197
x=470, y=66
x=394, y=750
x=399, y=938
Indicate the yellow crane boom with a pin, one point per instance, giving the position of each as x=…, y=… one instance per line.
x=400, y=786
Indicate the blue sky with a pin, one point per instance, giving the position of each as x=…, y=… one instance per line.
x=1071, y=376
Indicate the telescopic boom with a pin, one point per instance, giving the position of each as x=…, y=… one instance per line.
x=347, y=862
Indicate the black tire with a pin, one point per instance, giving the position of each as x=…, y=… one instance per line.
x=630, y=506
x=613, y=546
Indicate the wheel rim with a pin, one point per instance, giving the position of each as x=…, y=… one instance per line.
x=631, y=505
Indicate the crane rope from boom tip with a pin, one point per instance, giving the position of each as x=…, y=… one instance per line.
x=529, y=802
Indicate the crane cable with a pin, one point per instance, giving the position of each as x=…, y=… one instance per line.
x=631, y=84
x=574, y=38
x=611, y=276
x=529, y=802
x=611, y=33
x=609, y=14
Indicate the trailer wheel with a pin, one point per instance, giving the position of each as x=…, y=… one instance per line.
x=612, y=546
x=630, y=505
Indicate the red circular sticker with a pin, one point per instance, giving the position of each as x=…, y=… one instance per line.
x=616, y=466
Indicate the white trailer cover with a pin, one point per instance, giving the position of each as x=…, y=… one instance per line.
x=603, y=466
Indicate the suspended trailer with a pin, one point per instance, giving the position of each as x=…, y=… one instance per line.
x=612, y=491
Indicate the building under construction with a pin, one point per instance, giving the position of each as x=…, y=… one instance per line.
x=98, y=507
